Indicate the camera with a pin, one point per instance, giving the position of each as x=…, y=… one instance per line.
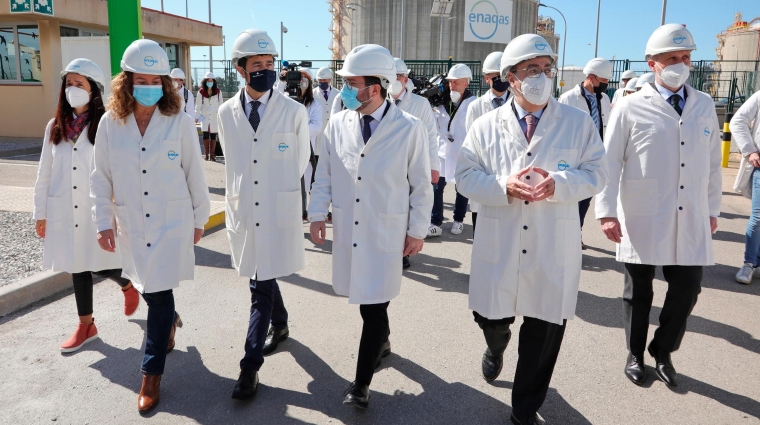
x=435, y=90
x=292, y=77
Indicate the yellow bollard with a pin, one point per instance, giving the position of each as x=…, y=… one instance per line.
x=726, y=147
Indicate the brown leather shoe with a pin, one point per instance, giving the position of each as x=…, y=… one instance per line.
x=177, y=324
x=149, y=393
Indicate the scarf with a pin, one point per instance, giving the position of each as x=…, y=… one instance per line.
x=75, y=126
x=204, y=93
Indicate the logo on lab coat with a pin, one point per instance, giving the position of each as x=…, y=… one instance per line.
x=172, y=155
x=562, y=165
x=707, y=131
x=282, y=147
x=149, y=61
x=263, y=44
x=678, y=39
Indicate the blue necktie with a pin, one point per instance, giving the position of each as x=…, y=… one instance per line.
x=594, y=109
x=497, y=102
x=366, y=130
x=675, y=102
x=254, y=117
x=326, y=95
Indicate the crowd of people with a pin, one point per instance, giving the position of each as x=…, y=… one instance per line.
x=121, y=193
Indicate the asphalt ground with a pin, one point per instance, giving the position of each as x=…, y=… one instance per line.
x=433, y=375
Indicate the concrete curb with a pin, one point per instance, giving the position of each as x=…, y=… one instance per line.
x=18, y=152
x=20, y=294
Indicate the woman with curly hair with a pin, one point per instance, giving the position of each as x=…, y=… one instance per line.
x=147, y=161
x=209, y=99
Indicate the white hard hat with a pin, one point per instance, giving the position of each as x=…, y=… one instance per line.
x=324, y=73
x=631, y=86
x=645, y=79
x=86, y=68
x=670, y=38
x=209, y=75
x=145, y=57
x=369, y=60
x=600, y=67
x=306, y=71
x=458, y=71
x=177, y=73
x=628, y=74
x=401, y=67
x=492, y=63
x=252, y=42
x=524, y=47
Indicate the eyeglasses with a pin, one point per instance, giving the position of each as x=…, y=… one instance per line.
x=535, y=72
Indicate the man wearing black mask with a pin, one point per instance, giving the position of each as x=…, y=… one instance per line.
x=591, y=96
x=265, y=136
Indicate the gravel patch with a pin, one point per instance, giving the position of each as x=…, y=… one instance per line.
x=20, y=248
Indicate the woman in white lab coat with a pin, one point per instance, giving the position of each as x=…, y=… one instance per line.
x=207, y=103
x=314, y=109
x=147, y=161
x=62, y=204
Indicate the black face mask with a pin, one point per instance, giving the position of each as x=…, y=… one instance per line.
x=262, y=81
x=601, y=88
x=499, y=85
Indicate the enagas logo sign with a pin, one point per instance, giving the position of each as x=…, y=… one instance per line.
x=488, y=21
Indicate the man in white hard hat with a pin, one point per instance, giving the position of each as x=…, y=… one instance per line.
x=663, y=198
x=374, y=169
x=188, y=103
x=646, y=79
x=418, y=107
x=454, y=130
x=265, y=136
x=494, y=98
x=591, y=97
x=627, y=76
x=528, y=164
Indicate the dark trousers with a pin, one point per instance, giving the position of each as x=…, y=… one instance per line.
x=460, y=207
x=538, y=349
x=684, y=286
x=161, y=316
x=474, y=222
x=375, y=332
x=583, y=209
x=266, y=307
x=436, y=216
x=83, y=287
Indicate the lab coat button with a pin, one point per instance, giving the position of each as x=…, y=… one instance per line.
x=357, y=200
x=525, y=252
x=76, y=206
x=681, y=187
x=255, y=161
x=527, y=177
x=75, y=187
x=683, y=165
x=143, y=149
x=530, y=154
x=255, y=140
x=76, y=225
x=75, y=149
x=354, y=245
x=257, y=224
x=148, y=245
x=146, y=193
x=362, y=155
x=359, y=178
x=680, y=208
x=145, y=171
x=75, y=168
x=147, y=215
x=683, y=143
x=257, y=204
x=356, y=223
x=256, y=182
x=526, y=202
x=525, y=227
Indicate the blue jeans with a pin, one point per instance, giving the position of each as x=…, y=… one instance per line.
x=460, y=207
x=436, y=216
x=266, y=306
x=161, y=316
x=752, y=238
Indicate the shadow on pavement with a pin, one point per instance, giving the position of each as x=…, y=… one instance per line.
x=735, y=401
x=444, y=277
x=210, y=258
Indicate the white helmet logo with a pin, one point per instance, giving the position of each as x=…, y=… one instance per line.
x=149, y=61
x=678, y=39
x=541, y=46
x=263, y=44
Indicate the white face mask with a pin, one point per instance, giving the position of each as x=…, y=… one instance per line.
x=674, y=75
x=396, y=88
x=175, y=84
x=455, y=96
x=77, y=97
x=536, y=90
x=304, y=84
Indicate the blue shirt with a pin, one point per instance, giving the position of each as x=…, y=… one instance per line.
x=665, y=93
x=521, y=113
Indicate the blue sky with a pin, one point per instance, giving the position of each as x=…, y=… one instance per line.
x=624, y=25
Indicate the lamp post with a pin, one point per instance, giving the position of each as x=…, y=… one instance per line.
x=283, y=30
x=596, y=43
x=564, y=43
x=664, y=7
x=210, y=52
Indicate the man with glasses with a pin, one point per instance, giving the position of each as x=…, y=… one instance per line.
x=528, y=164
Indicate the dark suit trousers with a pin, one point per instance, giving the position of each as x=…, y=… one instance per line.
x=684, y=286
x=374, y=334
x=266, y=306
x=583, y=209
x=538, y=349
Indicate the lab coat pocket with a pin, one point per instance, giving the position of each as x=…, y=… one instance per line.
x=486, y=242
x=563, y=159
x=392, y=232
x=54, y=212
x=639, y=197
x=289, y=208
x=122, y=223
x=283, y=146
x=179, y=218
x=567, y=239
x=170, y=154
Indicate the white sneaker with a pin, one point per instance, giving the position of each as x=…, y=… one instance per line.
x=457, y=228
x=744, y=275
x=434, y=231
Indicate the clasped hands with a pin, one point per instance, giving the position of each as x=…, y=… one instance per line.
x=517, y=188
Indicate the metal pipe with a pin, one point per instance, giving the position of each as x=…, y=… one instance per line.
x=564, y=44
x=664, y=7
x=440, y=40
x=596, y=44
x=186, y=10
x=403, y=26
x=162, y=5
x=282, y=48
x=210, y=51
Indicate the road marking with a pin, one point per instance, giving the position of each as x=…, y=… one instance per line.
x=21, y=156
x=20, y=165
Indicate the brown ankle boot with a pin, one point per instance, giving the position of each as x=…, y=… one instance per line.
x=206, y=144
x=177, y=324
x=149, y=393
x=212, y=148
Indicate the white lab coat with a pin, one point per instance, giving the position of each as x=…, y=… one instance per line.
x=263, y=190
x=442, y=121
x=62, y=198
x=337, y=106
x=457, y=130
x=742, y=124
x=663, y=192
x=189, y=106
x=206, y=111
x=326, y=112
x=159, y=193
x=526, y=258
x=619, y=94
x=577, y=98
x=314, y=112
x=380, y=193
x=419, y=107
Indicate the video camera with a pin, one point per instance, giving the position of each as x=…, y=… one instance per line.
x=292, y=77
x=435, y=90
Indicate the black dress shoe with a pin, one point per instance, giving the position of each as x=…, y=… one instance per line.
x=385, y=351
x=530, y=420
x=405, y=263
x=274, y=337
x=664, y=368
x=491, y=365
x=247, y=384
x=357, y=395
x=635, y=369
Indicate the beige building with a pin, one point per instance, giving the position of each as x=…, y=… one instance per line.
x=31, y=54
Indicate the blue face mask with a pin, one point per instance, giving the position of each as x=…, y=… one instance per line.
x=209, y=84
x=324, y=86
x=148, y=95
x=349, y=97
